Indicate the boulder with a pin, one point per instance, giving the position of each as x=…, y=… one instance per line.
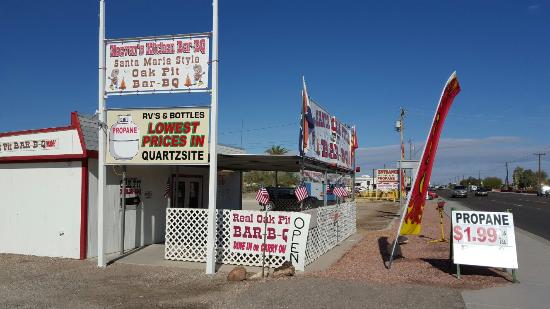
x=237, y=274
x=285, y=270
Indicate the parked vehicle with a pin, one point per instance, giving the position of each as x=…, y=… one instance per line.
x=283, y=198
x=482, y=191
x=459, y=191
x=431, y=195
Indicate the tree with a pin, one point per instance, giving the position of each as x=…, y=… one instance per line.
x=276, y=150
x=526, y=178
x=492, y=182
x=470, y=181
x=254, y=179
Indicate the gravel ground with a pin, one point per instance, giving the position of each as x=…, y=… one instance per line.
x=36, y=282
x=358, y=280
x=422, y=263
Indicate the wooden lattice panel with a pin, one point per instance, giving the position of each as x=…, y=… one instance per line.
x=186, y=231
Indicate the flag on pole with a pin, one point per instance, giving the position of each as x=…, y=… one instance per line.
x=167, y=189
x=306, y=123
x=262, y=196
x=353, y=143
x=301, y=193
x=411, y=222
x=340, y=192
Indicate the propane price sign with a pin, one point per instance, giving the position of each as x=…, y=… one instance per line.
x=484, y=239
x=176, y=136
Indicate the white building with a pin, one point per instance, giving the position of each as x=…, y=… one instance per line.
x=48, y=184
x=364, y=181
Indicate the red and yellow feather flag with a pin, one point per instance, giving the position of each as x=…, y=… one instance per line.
x=411, y=224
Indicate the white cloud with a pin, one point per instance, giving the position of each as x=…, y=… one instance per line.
x=460, y=156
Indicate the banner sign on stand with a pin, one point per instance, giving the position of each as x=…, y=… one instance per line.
x=484, y=238
x=133, y=191
x=286, y=234
x=158, y=136
x=157, y=64
x=387, y=179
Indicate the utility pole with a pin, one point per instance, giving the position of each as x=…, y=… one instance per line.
x=242, y=129
x=399, y=127
x=507, y=184
x=479, y=177
x=538, y=175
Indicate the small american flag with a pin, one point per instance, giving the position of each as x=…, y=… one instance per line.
x=167, y=189
x=262, y=196
x=301, y=193
x=340, y=192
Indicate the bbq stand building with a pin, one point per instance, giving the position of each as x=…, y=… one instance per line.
x=127, y=178
x=48, y=181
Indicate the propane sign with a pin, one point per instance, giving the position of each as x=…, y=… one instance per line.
x=158, y=136
x=484, y=239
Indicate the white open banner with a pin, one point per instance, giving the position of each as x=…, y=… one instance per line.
x=484, y=238
x=158, y=136
x=157, y=64
x=286, y=234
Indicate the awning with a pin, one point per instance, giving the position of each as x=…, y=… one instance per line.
x=285, y=163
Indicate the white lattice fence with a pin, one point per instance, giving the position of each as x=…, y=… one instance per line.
x=334, y=224
x=186, y=231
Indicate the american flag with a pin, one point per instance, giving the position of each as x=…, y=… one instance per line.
x=262, y=196
x=167, y=189
x=340, y=192
x=301, y=193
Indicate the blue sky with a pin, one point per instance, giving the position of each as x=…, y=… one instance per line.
x=362, y=60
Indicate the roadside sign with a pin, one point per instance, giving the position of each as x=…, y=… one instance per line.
x=285, y=234
x=157, y=64
x=158, y=136
x=484, y=238
x=387, y=179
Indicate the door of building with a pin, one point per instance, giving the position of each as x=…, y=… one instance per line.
x=189, y=192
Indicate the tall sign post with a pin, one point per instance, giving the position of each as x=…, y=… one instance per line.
x=101, y=262
x=130, y=67
x=213, y=173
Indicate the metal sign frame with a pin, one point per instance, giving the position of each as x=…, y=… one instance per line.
x=102, y=131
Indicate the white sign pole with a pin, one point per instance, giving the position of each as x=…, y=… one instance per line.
x=101, y=262
x=213, y=175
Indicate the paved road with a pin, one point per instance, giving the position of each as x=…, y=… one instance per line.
x=531, y=213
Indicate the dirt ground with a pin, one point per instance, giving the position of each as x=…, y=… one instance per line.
x=374, y=216
x=37, y=282
x=421, y=263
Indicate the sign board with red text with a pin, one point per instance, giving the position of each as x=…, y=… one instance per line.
x=484, y=238
x=286, y=234
x=158, y=136
x=387, y=179
x=39, y=144
x=329, y=138
x=157, y=64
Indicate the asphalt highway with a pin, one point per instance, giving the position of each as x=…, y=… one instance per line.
x=531, y=212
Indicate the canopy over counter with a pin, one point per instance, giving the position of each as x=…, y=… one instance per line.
x=286, y=163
